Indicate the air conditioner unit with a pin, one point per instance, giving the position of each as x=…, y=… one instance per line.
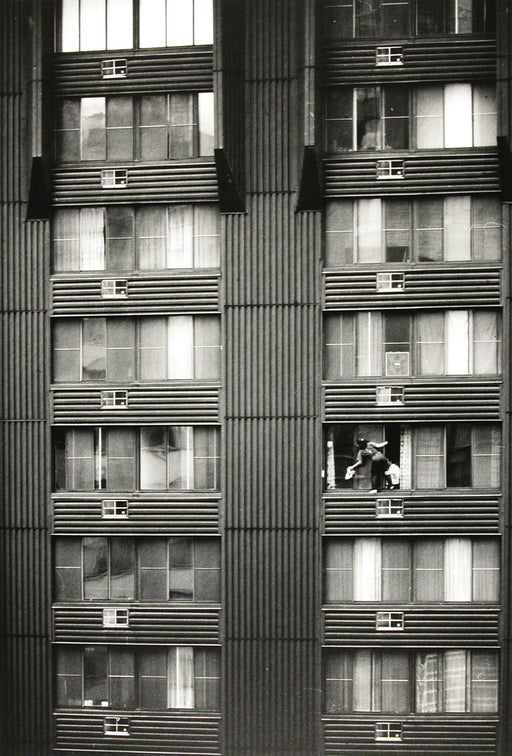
x=397, y=363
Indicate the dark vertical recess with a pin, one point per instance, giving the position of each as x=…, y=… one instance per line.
x=271, y=321
x=24, y=558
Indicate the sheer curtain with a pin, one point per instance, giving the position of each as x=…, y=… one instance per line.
x=92, y=239
x=66, y=240
x=369, y=230
x=429, y=117
x=431, y=343
x=455, y=680
x=367, y=569
x=181, y=243
x=363, y=681
x=486, y=456
x=369, y=343
x=458, y=121
x=151, y=237
x=405, y=456
x=457, y=222
x=457, y=342
x=429, y=457
x=457, y=569
x=206, y=237
x=428, y=683
x=181, y=677
x=180, y=346
x=153, y=349
x=485, y=342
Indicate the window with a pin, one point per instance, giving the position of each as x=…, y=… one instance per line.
x=455, y=17
x=108, y=24
x=399, y=230
x=455, y=455
x=371, y=18
x=180, y=677
x=147, y=349
x=149, y=127
x=348, y=19
x=126, y=459
x=152, y=237
x=166, y=23
x=395, y=344
x=386, y=681
x=397, y=117
x=144, y=569
x=397, y=570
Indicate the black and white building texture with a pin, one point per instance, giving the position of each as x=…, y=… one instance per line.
x=237, y=236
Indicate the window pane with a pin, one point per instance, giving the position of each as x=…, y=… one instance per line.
x=458, y=455
x=486, y=343
x=369, y=343
x=70, y=21
x=66, y=350
x=484, y=681
x=395, y=570
x=180, y=22
x=66, y=240
x=338, y=21
x=119, y=24
x=151, y=225
x=206, y=237
x=367, y=569
x=339, y=236
x=180, y=461
x=153, y=127
x=398, y=230
x=206, y=122
x=122, y=568
x=395, y=19
x=153, y=569
x=486, y=570
x=206, y=569
x=339, y=346
x=94, y=349
x=486, y=456
x=153, y=349
x=95, y=676
x=181, y=677
x=153, y=458
x=397, y=344
x=206, y=458
x=338, y=575
x=369, y=128
x=122, y=679
x=457, y=219
x=367, y=18
x=369, y=230
x=430, y=340
x=152, y=28
x=181, y=346
x=338, y=128
x=396, y=118
x=92, y=25
x=363, y=680
x=69, y=677
x=338, y=682
x=428, y=570
x=207, y=350
x=206, y=679
x=429, y=117
x=484, y=115
x=463, y=20
x=181, y=237
x=68, y=569
x=95, y=555
x=455, y=680
x=120, y=239
x=182, y=124
x=181, y=569
x=457, y=569
x=203, y=22
x=120, y=349
x=153, y=678
x=429, y=230
x=121, y=459
x=94, y=146
x=486, y=229
x=119, y=128
x=395, y=682
x=80, y=460
x=67, y=145
x=458, y=115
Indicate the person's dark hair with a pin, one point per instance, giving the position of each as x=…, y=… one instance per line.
x=362, y=443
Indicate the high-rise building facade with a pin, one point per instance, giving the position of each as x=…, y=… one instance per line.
x=255, y=318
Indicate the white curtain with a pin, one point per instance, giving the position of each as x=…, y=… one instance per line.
x=484, y=115
x=431, y=343
x=206, y=237
x=457, y=569
x=369, y=230
x=457, y=342
x=181, y=247
x=427, y=683
x=485, y=342
x=457, y=223
x=429, y=117
x=405, y=463
x=180, y=346
x=181, y=677
x=429, y=457
x=367, y=569
x=92, y=239
x=151, y=237
x=363, y=681
x=369, y=343
x=92, y=33
x=152, y=27
x=119, y=24
x=458, y=131
x=455, y=680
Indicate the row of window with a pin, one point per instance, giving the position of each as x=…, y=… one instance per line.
x=397, y=570
x=181, y=677
x=430, y=456
x=111, y=25
x=149, y=237
x=128, y=349
x=349, y=19
x=452, y=342
x=422, y=230
x=144, y=569
x=400, y=117
x=155, y=458
x=402, y=682
x=148, y=127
